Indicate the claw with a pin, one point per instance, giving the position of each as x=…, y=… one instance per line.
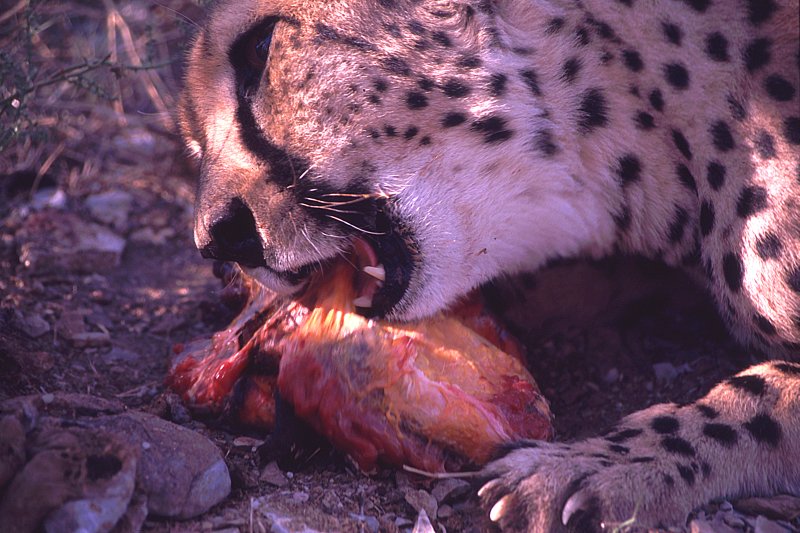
x=489, y=485
x=499, y=508
x=577, y=502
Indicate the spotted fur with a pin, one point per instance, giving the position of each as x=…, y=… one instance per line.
x=496, y=135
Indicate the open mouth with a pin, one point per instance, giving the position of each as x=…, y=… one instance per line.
x=384, y=265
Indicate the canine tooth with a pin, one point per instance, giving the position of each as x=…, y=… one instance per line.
x=377, y=272
x=363, y=301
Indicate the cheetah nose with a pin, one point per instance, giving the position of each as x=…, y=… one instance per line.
x=233, y=236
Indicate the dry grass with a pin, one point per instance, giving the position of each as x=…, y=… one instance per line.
x=87, y=86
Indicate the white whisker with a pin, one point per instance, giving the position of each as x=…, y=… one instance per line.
x=362, y=230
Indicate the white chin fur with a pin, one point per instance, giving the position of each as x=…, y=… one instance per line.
x=269, y=280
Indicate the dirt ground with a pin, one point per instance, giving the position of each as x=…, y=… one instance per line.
x=603, y=340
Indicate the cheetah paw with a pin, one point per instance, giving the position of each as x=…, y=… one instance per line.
x=539, y=486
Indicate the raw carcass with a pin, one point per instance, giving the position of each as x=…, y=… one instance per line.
x=430, y=394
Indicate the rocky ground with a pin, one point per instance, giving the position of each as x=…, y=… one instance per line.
x=99, y=280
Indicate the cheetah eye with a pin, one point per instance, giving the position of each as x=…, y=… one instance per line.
x=249, y=54
x=258, y=47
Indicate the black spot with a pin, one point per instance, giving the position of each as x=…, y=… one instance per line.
x=410, y=132
x=531, y=80
x=453, y=119
x=686, y=178
x=625, y=434
x=374, y=99
x=706, y=218
x=582, y=35
x=396, y=65
x=629, y=169
x=390, y=131
x=493, y=129
x=632, y=60
x=721, y=136
x=759, y=11
x=793, y=279
x=425, y=141
x=764, y=430
x=677, y=75
x=641, y=459
x=733, y=270
x=455, y=88
x=707, y=411
x=706, y=468
x=764, y=324
x=554, y=25
x=417, y=28
x=570, y=70
x=677, y=445
x=765, y=145
x=426, y=84
x=381, y=85
x=751, y=383
x=623, y=219
x=682, y=144
x=372, y=132
x=788, y=368
x=737, y=109
x=626, y=3
x=544, y=143
x=769, y=246
x=616, y=448
x=441, y=38
x=687, y=474
x=593, y=111
x=603, y=29
x=469, y=62
x=672, y=32
x=717, y=47
x=757, y=54
x=668, y=480
x=678, y=225
x=665, y=424
x=497, y=84
x=791, y=130
x=722, y=433
x=644, y=121
x=716, y=175
x=416, y=100
x=698, y=5
x=751, y=200
x=779, y=88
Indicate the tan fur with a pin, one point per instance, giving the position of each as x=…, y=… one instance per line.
x=574, y=155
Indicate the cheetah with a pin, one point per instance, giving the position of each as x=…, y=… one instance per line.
x=465, y=140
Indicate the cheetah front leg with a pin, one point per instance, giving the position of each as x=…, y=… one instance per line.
x=741, y=439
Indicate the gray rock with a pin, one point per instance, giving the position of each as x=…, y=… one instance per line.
x=421, y=500
x=111, y=208
x=181, y=472
x=104, y=502
x=450, y=489
x=34, y=326
x=54, y=242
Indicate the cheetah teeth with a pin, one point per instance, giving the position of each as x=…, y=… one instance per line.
x=377, y=272
x=363, y=301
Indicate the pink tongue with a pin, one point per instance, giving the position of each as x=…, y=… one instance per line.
x=364, y=256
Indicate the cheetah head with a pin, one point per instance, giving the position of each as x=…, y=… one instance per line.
x=390, y=124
